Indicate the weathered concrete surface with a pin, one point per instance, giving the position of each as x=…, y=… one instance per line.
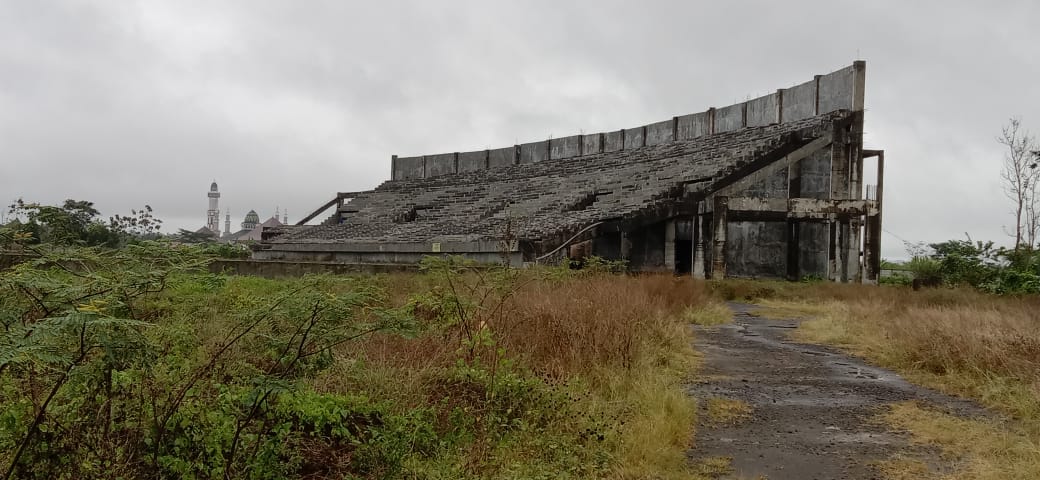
x=501, y=157
x=728, y=119
x=634, y=138
x=837, y=90
x=277, y=269
x=756, y=249
x=473, y=161
x=534, y=152
x=694, y=125
x=660, y=132
x=408, y=168
x=799, y=102
x=613, y=141
x=812, y=406
x=565, y=147
x=440, y=164
x=762, y=111
x=590, y=144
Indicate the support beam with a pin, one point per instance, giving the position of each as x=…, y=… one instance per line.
x=718, y=254
x=326, y=206
x=768, y=171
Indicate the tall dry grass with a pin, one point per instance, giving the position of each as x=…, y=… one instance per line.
x=618, y=345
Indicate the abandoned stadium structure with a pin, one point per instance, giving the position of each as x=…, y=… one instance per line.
x=772, y=188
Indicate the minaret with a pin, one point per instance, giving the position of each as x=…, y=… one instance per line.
x=285, y=216
x=227, y=223
x=213, y=214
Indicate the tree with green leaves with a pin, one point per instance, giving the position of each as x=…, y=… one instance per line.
x=77, y=222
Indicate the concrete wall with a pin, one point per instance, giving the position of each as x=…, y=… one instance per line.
x=407, y=168
x=501, y=157
x=635, y=138
x=694, y=125
x=613, y=141
x=473, y=161
x=278, y=269
x=660, y=132
x=842, y=89
x=534, y=152
x=565, y=147
x=728, y=119
x=441, y=164
x=763, y=111
x=591, y=143
x=799, y=102
x=756, y=249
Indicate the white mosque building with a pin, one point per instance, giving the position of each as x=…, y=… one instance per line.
x=251, y=225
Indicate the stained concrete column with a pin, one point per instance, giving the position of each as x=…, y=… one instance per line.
x=871, y=263
x=853, y=273
x=669, y=245
x=697, y=267
x=719, y=222
x=833, y=249
x=623, y=247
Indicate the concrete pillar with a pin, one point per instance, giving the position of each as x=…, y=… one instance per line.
x=697, y=268
x=870, y=273
x=833, y=270
x=841, y=247
x=669, y=245
x=839, y=165
x=852, y=250
x=718, y=253
x=624, y=247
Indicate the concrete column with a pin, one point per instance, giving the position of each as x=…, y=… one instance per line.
x=697, y=268
x=393, y=167
x=833, y=272
x=852, y=258
x=669, y=245
x=718, y=253
x=843, y=251
x=870, y=273
x=839, y=165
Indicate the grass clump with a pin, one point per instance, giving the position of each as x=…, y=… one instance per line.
x=709, y=315
x=727, y=411
x=981, y=450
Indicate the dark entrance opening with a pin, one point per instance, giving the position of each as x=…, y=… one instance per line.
x=683, y=257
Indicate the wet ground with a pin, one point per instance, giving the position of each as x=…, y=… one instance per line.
x=814, y=409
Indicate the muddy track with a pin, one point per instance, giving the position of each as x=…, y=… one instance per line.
x=813, y=408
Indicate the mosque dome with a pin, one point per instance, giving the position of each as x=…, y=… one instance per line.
x=251, y=220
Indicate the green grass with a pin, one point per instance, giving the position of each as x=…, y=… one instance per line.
x=455, y=373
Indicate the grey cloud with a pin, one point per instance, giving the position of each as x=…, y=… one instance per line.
x=285, y=103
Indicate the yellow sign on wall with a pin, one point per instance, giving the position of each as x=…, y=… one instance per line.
x=437, y=247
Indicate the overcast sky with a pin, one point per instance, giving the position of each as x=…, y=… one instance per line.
x=284, y=103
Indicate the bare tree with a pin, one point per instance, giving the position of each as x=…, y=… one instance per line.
x=1019, y=177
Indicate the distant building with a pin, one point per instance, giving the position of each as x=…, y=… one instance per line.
x=251, y=225
x=772, y=187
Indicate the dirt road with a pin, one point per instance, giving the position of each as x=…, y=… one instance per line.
x=812, y=408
